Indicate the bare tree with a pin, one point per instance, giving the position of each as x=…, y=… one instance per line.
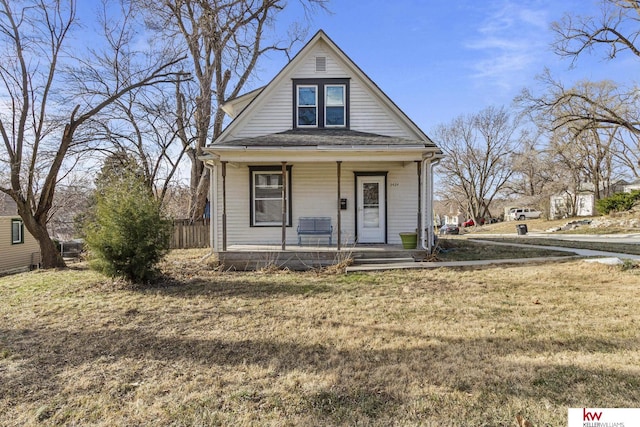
x=478, y=151
x=533, y=174
x=141, y=124
x=615, y=32
x=43, y=115
x=224, y=40
x=581, y=141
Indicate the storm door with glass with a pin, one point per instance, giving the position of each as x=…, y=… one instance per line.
x=371, y=209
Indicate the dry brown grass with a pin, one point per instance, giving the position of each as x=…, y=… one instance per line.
x=509, y=227
x=446, y=347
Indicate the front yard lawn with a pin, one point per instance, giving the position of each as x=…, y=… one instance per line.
x=470, y=347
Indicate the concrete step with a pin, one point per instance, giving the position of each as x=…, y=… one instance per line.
x=390, y=260
x=386, y=254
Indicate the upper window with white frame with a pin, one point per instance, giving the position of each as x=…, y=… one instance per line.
x=334, y=106
x=307, y=106
x=17, y=231
x=321, y=103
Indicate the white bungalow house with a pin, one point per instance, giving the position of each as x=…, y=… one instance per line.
x=19, y=250
x=321, y=140
x=581, y=201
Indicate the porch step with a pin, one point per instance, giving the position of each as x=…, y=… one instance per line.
x=359, y=254
x=390, y=260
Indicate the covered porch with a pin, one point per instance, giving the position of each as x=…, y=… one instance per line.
x=364, y=188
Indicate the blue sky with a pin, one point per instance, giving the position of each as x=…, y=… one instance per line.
x=438, y=59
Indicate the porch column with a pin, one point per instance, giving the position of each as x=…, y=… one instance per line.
x=419, y=229
x=339, y=234
x=224, y=206
x=284, y=205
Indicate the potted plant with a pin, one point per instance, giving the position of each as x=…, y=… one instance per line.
x=409, y=240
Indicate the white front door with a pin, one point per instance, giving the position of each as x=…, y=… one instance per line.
x=371, y=209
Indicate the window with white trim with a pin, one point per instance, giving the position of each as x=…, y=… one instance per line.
x=266, y=196
x=334, y=106
x=307, y=106
x=321, y=103
x=17, y=231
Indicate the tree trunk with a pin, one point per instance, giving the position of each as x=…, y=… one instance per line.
x=202, y=192
x=51, y=258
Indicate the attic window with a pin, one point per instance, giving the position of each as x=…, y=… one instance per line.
x=321, y=103
x=321, y=63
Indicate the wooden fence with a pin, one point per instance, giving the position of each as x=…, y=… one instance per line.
x=188, y=235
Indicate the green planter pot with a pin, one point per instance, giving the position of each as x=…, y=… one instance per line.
x=409, y=240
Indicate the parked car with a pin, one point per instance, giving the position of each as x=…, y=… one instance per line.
x=520, y=214
x=449, y=229
x=471, y=222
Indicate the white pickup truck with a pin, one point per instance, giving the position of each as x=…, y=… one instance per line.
x=519, y=214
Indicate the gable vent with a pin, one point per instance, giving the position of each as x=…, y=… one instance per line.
x=321, y=63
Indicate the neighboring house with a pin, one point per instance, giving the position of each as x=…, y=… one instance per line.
x=571, y=204
x=325, y=136
x=580, y=202
x=19, y=250
x=632, y=186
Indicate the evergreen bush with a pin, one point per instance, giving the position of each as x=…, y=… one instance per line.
x=619, y=202
x=128, y=234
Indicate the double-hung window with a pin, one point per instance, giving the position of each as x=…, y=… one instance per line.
x=321, y=103
x=266, y=196
x=307, y=106
x=334, y=106
x=17, y=231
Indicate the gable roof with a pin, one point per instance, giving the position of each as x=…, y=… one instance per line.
x=241, y=108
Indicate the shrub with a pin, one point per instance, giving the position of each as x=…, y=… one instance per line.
x=128, y=235
x=619, y=202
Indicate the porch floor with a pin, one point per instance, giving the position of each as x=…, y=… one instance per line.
x=294, y=257
x=323, y=248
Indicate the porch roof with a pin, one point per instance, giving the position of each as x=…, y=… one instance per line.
x=323, y=138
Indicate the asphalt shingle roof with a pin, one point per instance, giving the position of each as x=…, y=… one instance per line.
x=322, y=137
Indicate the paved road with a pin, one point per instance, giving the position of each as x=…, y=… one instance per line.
x=632, y=238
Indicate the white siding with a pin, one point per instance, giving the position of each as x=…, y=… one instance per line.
x=307, y=67
x=272, y=115
x=15, y=256
x=273, y=112
x=369, y=115
x=314, y=193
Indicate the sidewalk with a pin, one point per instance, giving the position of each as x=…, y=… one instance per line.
x=579, y=253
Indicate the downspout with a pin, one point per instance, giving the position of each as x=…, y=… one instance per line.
x=432, y=231
x=426, y=242
x=213, y=205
